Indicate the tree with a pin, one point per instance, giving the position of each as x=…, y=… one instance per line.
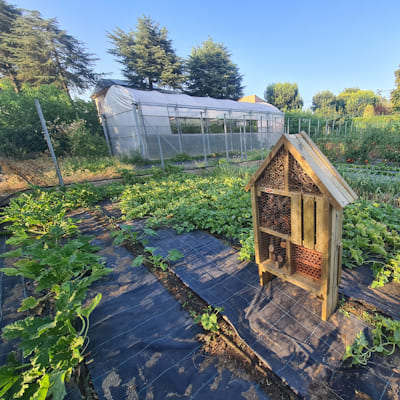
x=38, y=52
x=8, y=15
x=352, y=101
x=212, y=73
x=284, y=96
x=147, y=55
x=369, y=111
x=395, y=94
x=324, y=102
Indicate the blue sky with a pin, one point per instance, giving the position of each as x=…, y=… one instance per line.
x=320, y=45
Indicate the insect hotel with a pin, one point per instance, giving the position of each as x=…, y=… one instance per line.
x=297, y=202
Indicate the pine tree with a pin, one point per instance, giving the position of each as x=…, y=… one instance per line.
x=8, y=15
x=41, y=53
x=147, y=55
x=212, y=73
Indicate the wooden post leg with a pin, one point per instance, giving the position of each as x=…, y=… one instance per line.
x=329, y=304
x=264, y=276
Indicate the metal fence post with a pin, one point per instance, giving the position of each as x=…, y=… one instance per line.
x=226, y=140
x=241, y=142
x=46, y=133
x=179, y=128
x=139, y=128
x=204, y=138
x=244, y=137
x=106, y=135
x=160, y=149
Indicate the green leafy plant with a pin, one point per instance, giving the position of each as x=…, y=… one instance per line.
x=126, y=232
x=156, y=260
x=62, y=265
x=208, y=319
x=385, y=340
x=371, y=235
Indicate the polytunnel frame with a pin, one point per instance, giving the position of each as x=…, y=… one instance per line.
x=246, y=115
x=205, y=125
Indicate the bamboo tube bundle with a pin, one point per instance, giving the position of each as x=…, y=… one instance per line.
x=274, y=177
x=299, y=180
x=274, y=212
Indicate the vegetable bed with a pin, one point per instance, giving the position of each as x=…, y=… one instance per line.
x=63, y=264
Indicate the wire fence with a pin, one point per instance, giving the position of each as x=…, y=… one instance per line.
x=340, y=127
x=156, y=144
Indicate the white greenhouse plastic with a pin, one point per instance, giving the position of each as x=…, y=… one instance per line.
x=158, y=122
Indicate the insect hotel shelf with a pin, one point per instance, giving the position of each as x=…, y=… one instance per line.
x=297, y=203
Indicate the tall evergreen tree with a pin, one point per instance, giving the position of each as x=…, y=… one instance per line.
x=147, y=55
x=284, y=96
x=8, y=15
x=39, y=52
x=212, y=73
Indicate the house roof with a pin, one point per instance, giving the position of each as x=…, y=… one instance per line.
x=316, y=165
x=252, y=99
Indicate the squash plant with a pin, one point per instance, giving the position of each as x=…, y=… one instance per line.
x=62, y=265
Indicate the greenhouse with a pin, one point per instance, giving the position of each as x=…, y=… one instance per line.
x=159, y=122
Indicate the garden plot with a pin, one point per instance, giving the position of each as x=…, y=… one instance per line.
x=279, y=320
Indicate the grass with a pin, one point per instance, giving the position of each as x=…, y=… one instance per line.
x=19, y=175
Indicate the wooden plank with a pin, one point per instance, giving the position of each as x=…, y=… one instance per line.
x=280, y=192
x=312, y=169
x=309, y=221
x=352, y=195
x=322, y=225
x=339, y=230
x=330, y=181
x=295, y=219
x=297, y=278
x=256, y=222
x=330, y=291
x=290, y=267
x=275, y=233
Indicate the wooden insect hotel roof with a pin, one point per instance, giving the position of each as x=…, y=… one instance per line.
x=315, y=165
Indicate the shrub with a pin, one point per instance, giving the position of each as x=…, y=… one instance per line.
x=21, y=133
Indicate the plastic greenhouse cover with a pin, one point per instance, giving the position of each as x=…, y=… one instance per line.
x=158, y=103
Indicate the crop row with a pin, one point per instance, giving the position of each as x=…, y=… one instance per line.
x=61, y=264
x=217, y=203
